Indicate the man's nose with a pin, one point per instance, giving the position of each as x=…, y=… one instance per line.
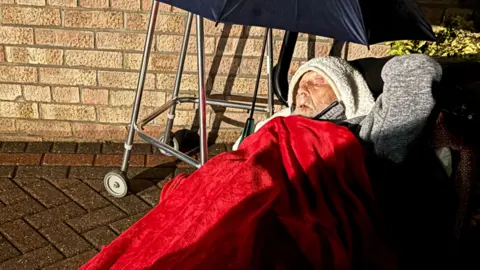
x=303, y=91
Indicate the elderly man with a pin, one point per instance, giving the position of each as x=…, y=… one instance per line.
x=328, y=88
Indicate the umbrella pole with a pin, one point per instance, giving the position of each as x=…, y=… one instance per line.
x=270, y=72
x=249, y=124
x=259, y=74
x=202, y=98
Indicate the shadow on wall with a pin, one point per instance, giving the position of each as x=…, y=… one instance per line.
x=234, y=69
x=212, y=73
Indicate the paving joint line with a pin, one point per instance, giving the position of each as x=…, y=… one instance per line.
x=68, y=173
x=14, y=172
x=38, y=232
x=29, y=195
x=42, y=159
x=81, y=235
x=15, y=247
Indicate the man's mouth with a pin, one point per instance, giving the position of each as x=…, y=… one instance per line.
x=304, y=106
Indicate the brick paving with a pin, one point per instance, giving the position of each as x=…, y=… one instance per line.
x=54, y=211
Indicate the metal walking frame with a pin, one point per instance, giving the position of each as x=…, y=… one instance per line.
x=116, y=181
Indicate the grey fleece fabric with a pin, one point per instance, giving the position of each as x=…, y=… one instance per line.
x=402, y=110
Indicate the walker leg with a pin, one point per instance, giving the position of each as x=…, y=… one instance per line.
x=178, y=78
x=141, y=83
x=202, y=104
x=270, y=72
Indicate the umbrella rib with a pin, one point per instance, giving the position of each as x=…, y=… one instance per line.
x=362, y=20
x=296, y=12
x=222, y=14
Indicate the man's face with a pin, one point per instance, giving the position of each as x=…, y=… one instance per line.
x=314, y=94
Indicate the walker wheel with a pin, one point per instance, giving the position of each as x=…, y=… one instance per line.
x=175, y=145
x=116, y=183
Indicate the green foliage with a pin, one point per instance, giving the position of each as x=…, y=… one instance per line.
x=455, y=39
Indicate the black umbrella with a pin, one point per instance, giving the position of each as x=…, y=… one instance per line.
x=359, y=21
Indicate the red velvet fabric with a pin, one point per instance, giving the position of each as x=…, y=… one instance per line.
x=294, y=196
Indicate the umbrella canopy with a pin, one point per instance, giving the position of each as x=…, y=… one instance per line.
x=359, y=21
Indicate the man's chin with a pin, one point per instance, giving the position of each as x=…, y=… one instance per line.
x=308, y=113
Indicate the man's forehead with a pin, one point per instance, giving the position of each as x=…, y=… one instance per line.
x=314, y=76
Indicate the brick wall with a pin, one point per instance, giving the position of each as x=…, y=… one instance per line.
x=68, y=68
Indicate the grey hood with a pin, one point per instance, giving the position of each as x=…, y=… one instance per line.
x=348, y=84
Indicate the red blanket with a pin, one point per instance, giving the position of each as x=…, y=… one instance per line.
x=294, y=196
